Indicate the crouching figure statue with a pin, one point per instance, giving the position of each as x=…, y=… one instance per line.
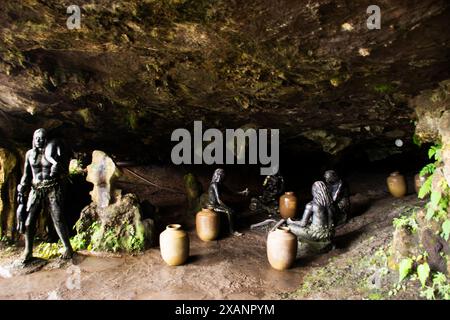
x=316, y=228
x=273, y=188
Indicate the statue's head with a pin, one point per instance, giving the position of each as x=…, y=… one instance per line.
x=331, y=176
x=40, y=138
x=218, y=175
x=320, y=194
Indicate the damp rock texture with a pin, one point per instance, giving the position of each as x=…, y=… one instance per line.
x=433, y=113
x=112, y=222
x=8, y=179
x=138, y=69
x=102, y=173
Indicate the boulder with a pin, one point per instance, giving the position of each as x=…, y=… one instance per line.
x=102, y=173
x=112, y=222
x=405, y=244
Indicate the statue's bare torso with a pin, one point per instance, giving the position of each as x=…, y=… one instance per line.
x=40, y=166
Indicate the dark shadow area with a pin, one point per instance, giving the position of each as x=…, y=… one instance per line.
x=344, y=241
x=77, y=197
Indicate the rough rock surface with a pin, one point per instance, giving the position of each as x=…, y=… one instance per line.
x=138, y=69
x=117, y=227
x=8, y=178
x=102, y=173
x=433, y=112
x=112, y=222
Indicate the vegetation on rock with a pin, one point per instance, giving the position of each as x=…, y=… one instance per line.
x=115, y=228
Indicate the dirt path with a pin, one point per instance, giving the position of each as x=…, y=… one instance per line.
x=231, y=268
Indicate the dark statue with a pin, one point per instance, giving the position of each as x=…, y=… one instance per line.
x=340, y=195
x=317, y=223
x=268, y=202
x=42, y=179
x=215, y=203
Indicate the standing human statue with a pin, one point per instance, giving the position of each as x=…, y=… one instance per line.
x=317, y=223
x=42, y=179
x=340, y=194
x=215, y=203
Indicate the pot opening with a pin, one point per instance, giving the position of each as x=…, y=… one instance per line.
x=174, y=226
x=284, y=229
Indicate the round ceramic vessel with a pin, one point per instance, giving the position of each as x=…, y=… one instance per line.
x=396, y=184
x=174, y=245
x=281, y=248
x=207, y=225
x=288, y=205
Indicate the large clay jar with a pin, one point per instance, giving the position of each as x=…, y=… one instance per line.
x=396, y=184
x=288, y=205
x=418, y=182
x=174, y=244
x=281, y=248
x=207, y=224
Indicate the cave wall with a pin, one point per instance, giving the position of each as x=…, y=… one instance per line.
x=138, y=69
x=433, y=114
x=433, y=125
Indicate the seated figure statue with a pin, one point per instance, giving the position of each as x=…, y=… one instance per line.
x=268, y=202
x=215, y=203
x=316, y=228
x=340, y=195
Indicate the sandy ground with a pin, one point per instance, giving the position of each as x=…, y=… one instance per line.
x=231, y=268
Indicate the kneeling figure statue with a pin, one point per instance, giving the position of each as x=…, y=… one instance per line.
x=268, y=202
x=316, y=228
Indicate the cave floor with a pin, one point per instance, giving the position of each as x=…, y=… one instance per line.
x=234, y=267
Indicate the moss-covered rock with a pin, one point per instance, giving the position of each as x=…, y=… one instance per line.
x=116, y=227
x=405, y=244
x=193, y=192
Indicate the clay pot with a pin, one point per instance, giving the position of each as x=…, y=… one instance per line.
x=418, y=182
x=174, y=245
x=281, y=248
x=207, y=224
x=288, y=205
x=396, y=184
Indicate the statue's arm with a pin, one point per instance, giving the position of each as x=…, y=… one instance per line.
x=216, y=194
x=51, y=150
x=306, y=215
x=337, y=194
x=25, y=181
x=244, y=192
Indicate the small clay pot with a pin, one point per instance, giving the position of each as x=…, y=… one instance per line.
x=207, y=224
x=396, y=184
x=174, y=245
x=281, y=248
x=418, y=182
x=288, y=205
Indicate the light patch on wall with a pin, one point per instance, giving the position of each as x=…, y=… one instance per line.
x=364, y=52
x=347, y=26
